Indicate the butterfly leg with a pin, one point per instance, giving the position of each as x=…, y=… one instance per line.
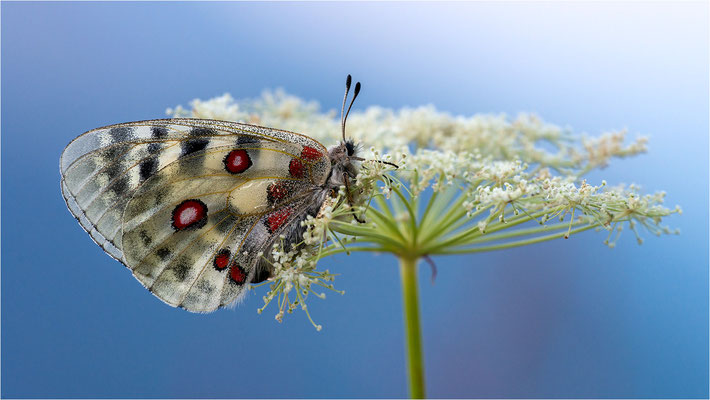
x=346, y=179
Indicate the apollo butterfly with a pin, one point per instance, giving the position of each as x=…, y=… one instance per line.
x=193, y=206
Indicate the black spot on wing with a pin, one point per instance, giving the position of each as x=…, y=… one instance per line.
x=120, y=134
x=120, y=185
x=227, y=225
x=180, y=269
x=147, y=240
x=163, y=253
x=111, y=153
x=159, y=132
x=194, y=145
x=202, y=132
x=113, y=170
x=148, y=167
x=247, y=139
x=154, y=148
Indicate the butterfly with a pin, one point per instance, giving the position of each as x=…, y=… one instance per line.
x=193, y=206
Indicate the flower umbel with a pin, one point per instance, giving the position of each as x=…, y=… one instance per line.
x=463, y=185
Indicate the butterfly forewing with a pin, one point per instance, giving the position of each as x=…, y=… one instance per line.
x=188, y=204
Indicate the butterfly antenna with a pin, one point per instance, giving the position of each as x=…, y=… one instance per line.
x=355, y=93
x=348, y=81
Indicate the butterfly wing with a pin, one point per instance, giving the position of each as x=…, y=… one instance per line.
x=184, y=203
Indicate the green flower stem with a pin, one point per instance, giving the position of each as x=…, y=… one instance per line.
x=385, y=223
x=410, y=293
x=339, y=250
x=518, y=243
x=412, y=214
x=354, y=230
x=441, y=221
x=528, y=231
x=474, y=232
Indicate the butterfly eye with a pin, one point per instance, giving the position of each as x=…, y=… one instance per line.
x=350, y=147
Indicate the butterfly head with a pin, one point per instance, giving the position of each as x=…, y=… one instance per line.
x=351, y=148
x=344, y=153
x=344, y=156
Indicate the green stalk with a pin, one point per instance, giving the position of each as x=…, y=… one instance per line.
x=410, y=293
x=510, y=245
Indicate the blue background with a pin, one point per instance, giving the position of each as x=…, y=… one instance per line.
x=560, y=319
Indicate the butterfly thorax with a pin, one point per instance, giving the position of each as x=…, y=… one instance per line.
x=341, y=159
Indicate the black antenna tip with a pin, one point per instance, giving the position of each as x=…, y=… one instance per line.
x=348, y=81
x=357, y=89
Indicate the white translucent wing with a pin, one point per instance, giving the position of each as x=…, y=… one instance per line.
x=102, y=168
x=126, y=183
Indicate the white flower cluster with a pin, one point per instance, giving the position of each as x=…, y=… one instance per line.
x=293, y=278
x=526, y=137
x=611, y=144
x=223, y=108
x=484, y=174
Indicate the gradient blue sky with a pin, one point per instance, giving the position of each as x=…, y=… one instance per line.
x=560, y=319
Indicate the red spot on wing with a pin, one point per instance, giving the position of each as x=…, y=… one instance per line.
x=276, y=191
x=221, y=260
x=237, y=274
x=310, y=154
x=296, y=168
x=237, y=161
x=189, y=213
x=278, y=218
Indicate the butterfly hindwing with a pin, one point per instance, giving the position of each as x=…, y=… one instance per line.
x=187, y=204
